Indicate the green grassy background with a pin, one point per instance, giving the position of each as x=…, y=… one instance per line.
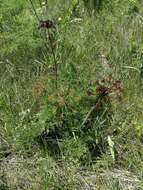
x=46, y=136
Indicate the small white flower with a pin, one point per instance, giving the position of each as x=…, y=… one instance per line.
x=43, y=3
x=76, y=20
x=59, y=19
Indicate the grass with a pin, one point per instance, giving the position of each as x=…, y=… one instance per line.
x=71, y=100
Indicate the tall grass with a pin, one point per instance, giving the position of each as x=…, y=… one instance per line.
x=92, y=119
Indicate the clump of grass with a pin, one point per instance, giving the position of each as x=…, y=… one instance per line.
x=74, y=90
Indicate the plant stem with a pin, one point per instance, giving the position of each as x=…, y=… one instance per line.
x=54, y=58
x=34, y=10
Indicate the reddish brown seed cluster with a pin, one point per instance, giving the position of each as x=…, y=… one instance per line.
x=39, y=87
x=108, y=85
x=47, y=24
x=104, y=88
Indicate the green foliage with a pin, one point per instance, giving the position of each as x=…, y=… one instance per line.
x=75, y=149
x=95, y=4
x=94, y=53
x=18, y=31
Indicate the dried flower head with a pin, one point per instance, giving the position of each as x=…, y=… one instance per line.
x=106, y=86
x=47, y=24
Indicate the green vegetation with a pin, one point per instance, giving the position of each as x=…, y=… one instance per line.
x=71, y=76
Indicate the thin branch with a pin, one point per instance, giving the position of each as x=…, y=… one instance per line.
x=54, y=58
x=36, y=15
x=34, y=10
x=93, y=108
x=88, y=115
x=40, y=3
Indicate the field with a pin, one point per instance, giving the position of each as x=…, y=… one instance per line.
x=71, y=103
